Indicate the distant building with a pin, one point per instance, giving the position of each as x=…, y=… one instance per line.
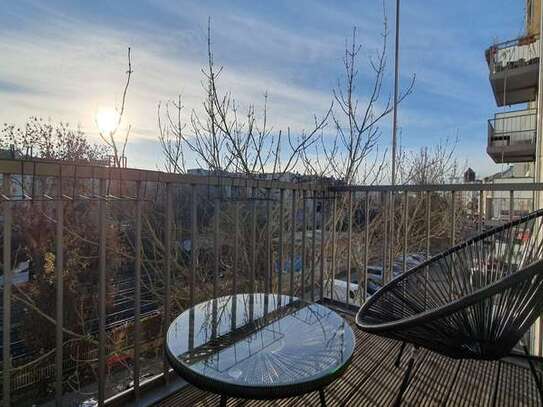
x=467, y=199
x=497, y=203
x=469, y=176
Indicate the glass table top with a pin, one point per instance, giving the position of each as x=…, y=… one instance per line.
x=252, y=340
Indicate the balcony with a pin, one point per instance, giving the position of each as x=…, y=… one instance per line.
x=514, y=69
x=116, y=254
x=512, y=136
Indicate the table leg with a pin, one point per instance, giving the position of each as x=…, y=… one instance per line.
x=323, y=400
x=223, y=400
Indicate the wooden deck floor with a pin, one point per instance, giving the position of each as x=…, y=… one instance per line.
x=373, y=380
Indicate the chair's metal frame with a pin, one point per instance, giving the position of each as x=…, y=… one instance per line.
x=459, y=303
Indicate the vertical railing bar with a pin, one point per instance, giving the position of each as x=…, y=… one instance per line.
x=216, y=244
x=334, y=245
x=428, y=220
x=75, y=182
x=323, y=239
x=193, y=244
x=313, y=244
x=511, y=204
x=481, y=210
x=236, y=248
x=168, y=277
x=59, y=352
x=252, y=270
x=22, y=175
x=349, y=244
x=281, y=227
x=304, y=229
x=102, y=296
x=292, y=241
x=391, y=235
x=268, y=256
x=6, y=331
x=405, y=225
x=359, y=272
x=428, y=228
x=366, y=242
x=453, y=239
x=453, y=217
x=137, y=289
x=385, y=237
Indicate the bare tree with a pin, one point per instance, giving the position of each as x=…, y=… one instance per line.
x=429, y=165
x=223, y=138
x=352, y=155
x=50, y=141
x=109, y=138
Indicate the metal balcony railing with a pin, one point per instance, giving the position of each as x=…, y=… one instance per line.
x=512, y=136
x=115, y=254
x=514, y=53
x=513, y=128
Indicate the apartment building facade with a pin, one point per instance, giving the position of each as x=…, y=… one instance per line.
x=514, y=78
x=514, y=133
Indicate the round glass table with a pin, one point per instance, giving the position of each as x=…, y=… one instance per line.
x=259, y=346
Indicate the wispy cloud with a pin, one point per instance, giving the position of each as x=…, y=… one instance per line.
x=69, y=76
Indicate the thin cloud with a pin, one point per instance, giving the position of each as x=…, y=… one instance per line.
x=63, y=61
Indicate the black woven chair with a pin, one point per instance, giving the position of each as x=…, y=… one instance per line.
x=474, y=301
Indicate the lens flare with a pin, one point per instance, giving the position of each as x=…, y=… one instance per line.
x=107, y=120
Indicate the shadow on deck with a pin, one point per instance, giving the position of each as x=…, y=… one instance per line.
x=373, y=380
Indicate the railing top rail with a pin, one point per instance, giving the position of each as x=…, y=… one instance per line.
x=510, y=186
x=492, y=121
x=524, y=40
x=78, y=170
x=510, y=115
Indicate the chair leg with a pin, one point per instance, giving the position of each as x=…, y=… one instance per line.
x=223, y=400
x=399, y=358
x=406, y=376
x=321, y=396
x=534, y=373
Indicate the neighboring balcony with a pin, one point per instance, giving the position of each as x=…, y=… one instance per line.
x=512, y=136
x=514, y=67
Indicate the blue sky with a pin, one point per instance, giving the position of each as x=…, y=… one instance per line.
x=65, y=59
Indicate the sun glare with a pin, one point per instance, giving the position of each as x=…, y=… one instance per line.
x=107, y=120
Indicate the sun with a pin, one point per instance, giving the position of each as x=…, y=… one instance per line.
x=107, y=120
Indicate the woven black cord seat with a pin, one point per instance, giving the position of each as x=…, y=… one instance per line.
x=473, y=301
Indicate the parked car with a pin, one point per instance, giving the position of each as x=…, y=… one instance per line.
x=92, y=402
x=374, y=279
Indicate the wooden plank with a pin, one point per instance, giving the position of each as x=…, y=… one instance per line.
x=474, y=385
x=381, y=386
x=365, y=362
x=516, y=386
x=426, y=387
